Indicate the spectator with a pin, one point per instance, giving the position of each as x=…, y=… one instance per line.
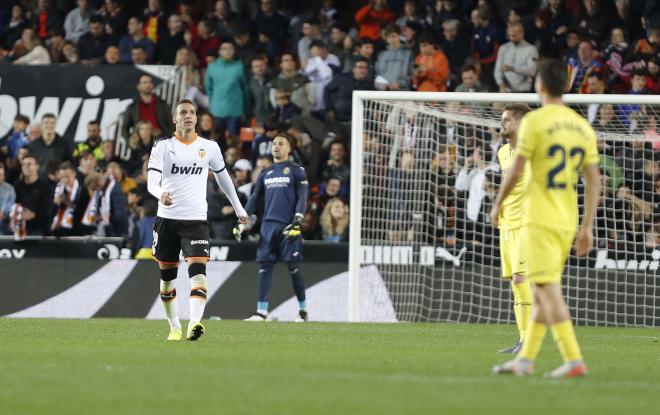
x=246, y=47
x=50, y=148
x=106, y=213
x=364, y=50
x=93, y=142
x=259, y=93
x=270, y=28
x=410, y=33
x=431, y=67
x=454, y=47
x=646, y=48
x=7, y=199
x=46, y=19
x=70, y=53
x=140, y=144
x=118, y=174
x=93, y=44
x=147, y=107
x=624, y=19
x=487, y=37
x=35, y=54
x=320, y=69
x=241, y=173
x=338, y=95
x=207, y=127
x=263, y=141
x=226, y=88
x=111, y=56
x=580, y=68
x=552, y=24
x=224, y=19
x=311, y=30
x=394, y=65
x=135, y=37
x=109, y=156
x=55, y=45
x=14, y=28
x=171, y=40
x=33, y=195
x=262, y=163
x=294, y=82
x=334, y=221
x=76, y=23
x=336, y=166
x=70, y=199
x=595, y=85
x=138, y=55
x=309, y=227
x=411, y=14
x=115, y=20
x=340, y=43
x=592, y=22
x=629, y=113
x=87, y=163
x=515, y=67
x=17, y=137
x=471, y=82
x=285, y=111
x=372, y=17
x=205, y=41
x=143, y=235
x=154, y=21
x=331, y=188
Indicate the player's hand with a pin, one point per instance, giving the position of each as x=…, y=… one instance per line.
x=238, y=231
x=166, y=198
x=584, y=242
x=495, y=215
x=292, y=231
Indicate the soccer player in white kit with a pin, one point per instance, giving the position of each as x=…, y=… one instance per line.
x=177, y=175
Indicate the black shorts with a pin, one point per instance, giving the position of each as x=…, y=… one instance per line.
x=173, y=235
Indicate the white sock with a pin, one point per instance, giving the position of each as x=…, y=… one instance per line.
x=197, y=298
x=171, y=310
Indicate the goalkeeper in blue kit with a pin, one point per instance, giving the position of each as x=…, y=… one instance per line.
x=280, y=193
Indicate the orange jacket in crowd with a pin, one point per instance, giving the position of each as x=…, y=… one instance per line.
x=371, y=21
x=434, y=79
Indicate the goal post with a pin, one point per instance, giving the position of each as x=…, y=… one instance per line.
x=426, y=241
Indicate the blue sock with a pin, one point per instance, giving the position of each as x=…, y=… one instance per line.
x=298, y=283
x=265, y=283
x=262, y=307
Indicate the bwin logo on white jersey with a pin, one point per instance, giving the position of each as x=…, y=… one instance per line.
x=194, y=169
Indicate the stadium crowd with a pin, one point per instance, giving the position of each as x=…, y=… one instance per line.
x=291, y=66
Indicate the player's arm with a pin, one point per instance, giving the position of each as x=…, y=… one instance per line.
x=584, y=239
x=217, y=166
x=292, y=230
x=155, y=175
x=507, y=186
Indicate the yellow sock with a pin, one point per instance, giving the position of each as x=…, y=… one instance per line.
x=566, y=341
x=533, y=340
x=522, y=307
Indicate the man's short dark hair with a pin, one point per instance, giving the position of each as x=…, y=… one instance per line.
x=517, y=110
x=596, y=74
x=426, y=37
x=358, y=60
x=468, y=68
x=48, y=115
x=137, y=17
x=639, y=72
x=94, y=122
x=288, y=138
x=95, y=19
x=143, y=75
x=364, y=41
x=67, y=165
x=139, y=47
x=313, y=21
x=32, y=156
x=553, y=76
x=317, y=42
x=22, y=118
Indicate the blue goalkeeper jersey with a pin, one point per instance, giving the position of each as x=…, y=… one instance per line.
x=279, y=193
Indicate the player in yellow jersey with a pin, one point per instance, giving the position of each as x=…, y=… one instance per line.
x=509, y=221
x=559, y=144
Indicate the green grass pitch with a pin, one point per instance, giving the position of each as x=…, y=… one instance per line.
x=124, y=366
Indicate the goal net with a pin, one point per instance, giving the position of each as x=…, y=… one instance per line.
x=424, y=173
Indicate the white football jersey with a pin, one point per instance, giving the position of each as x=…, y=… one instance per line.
x=185, y=169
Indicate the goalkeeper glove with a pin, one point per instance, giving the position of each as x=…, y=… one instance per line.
x=237, y=231
x=292, y=231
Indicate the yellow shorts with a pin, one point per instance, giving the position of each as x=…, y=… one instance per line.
x=512, y=260
x=546, y=251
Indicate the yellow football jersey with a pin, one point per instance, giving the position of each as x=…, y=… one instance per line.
x=558, y=143
x=511, y=213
